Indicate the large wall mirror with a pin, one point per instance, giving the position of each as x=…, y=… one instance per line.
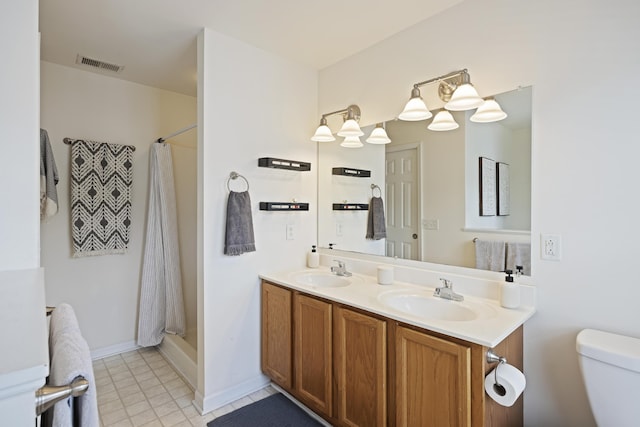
x=430, y=184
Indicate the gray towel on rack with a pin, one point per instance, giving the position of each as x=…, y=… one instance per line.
x=519, y=254
x=376, y=228
x=70, y=358
x=48, y=178
x=490, y=255
x=239, y=231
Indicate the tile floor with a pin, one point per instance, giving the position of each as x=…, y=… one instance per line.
x=140, y=388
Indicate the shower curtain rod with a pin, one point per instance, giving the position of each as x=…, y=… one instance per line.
x=176, y=133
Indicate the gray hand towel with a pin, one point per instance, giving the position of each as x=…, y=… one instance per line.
x=239, y=233
x=48, y=178
x=376, y=228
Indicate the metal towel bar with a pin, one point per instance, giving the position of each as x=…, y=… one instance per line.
x=47, y=395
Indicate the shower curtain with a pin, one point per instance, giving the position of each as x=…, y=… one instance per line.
x=161, y=304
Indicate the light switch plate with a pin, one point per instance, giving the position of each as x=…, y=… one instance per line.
x=290, y=232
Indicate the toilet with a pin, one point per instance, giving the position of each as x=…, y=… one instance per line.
x=610, y=366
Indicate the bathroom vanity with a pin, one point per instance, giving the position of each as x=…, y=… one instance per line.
x=340, y=347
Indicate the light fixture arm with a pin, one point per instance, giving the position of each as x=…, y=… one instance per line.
x=444, y=77
x=351, y=112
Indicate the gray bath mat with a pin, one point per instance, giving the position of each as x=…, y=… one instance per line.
x=273, y=411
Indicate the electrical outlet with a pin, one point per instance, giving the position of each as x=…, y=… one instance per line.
x=431, y=224
x=338, y=229
x=550, y=246
x=290, y=232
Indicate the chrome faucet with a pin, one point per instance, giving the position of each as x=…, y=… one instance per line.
x=446, y=291
x=340, y=270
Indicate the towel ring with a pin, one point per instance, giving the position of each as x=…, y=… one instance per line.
x=373, y=188
x=236, y=175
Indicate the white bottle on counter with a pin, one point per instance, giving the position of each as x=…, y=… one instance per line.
x=313, y=258
x=509, y=292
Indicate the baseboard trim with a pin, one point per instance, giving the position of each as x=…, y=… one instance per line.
x=181, y=357
x=206, y=404
x=112, y=350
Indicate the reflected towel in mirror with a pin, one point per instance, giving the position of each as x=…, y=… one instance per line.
x=490, y=255
x=519, y=254
x=376, y=228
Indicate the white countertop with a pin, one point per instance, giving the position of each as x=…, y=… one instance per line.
x=493, y=326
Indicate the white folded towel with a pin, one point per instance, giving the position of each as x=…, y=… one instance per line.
x=70, y=358
x=63, y=319
x=490, y=255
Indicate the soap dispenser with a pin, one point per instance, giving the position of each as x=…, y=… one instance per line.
x=313, y=258
x=509, y=292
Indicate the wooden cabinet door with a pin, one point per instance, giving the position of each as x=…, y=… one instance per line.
x=312, y=353
x=360, y=366
x=276, y=335
x=432, y=381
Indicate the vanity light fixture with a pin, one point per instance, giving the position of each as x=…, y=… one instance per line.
x=351, y=115
x=378, y=135
x=351, y=142
x=456, y=90
x=416, y=109
x=323, y=133
x=443, y=121
x=489, y=111
x=350, y=126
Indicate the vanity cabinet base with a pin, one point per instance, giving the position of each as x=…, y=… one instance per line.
x=356, y=368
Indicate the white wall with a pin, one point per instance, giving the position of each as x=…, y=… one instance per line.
x=585, y=154
x=19, y=137
x=251, y=104
x=505, y=145
x=103, y=289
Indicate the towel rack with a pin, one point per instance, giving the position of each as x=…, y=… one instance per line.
x=475, y=239
x=70, y=141
x=373, y=188
x=236, y=175
x=47, y=395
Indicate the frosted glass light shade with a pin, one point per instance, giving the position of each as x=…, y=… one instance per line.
x=378, y=136
x=415, y=110
x=443, y=121
x=350, y=128
x=488, y=112
x=323, y=134
x=465, y=97
x=351, y=142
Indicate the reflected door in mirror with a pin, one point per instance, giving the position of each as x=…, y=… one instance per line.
x=402, y=200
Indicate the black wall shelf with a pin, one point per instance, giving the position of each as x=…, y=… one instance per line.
x=284, y=206
x=350, y=207
x=293, y=165
x=359, y=173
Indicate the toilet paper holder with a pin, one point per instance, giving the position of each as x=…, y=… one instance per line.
x=492, y=358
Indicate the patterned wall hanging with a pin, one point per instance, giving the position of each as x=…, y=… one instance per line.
x=101, y=179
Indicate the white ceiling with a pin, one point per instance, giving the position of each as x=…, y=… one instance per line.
x=155, y=40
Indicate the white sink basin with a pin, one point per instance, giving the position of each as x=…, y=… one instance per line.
x=423, y=304
x=322, y=280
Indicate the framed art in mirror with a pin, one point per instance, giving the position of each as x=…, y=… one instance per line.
x=502, y=178
x=487, y=187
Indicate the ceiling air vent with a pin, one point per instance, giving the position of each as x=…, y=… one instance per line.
x=95, y=63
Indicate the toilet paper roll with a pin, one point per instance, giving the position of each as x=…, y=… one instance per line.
x=511, y=379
